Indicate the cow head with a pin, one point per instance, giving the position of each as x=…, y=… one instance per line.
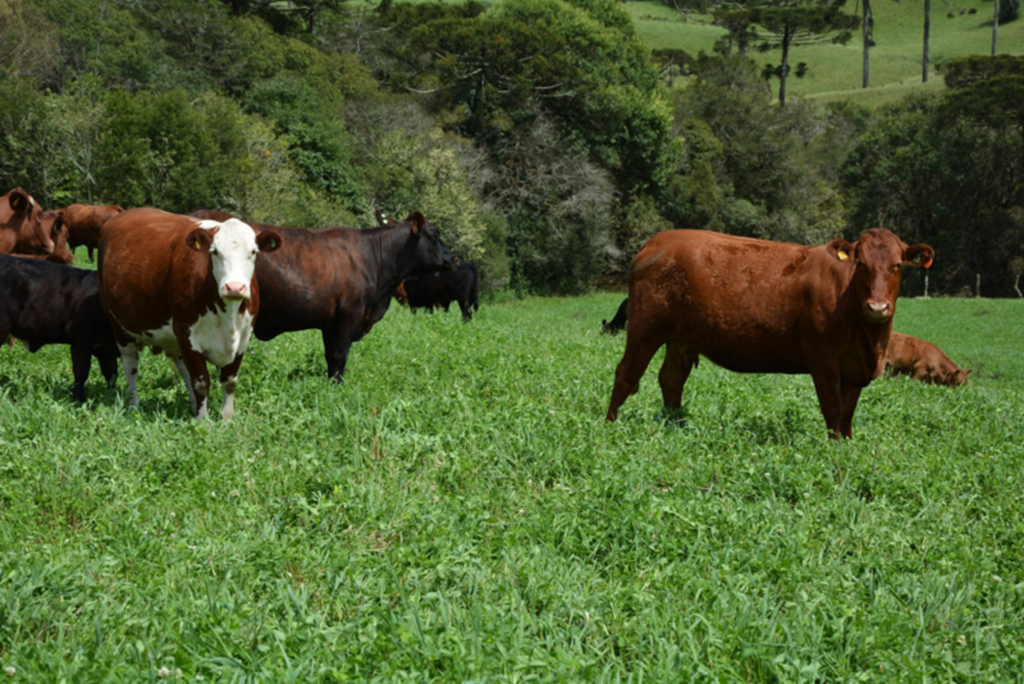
x=957, y=378
x=430, y=254
x=233, y=247
x=22, y=215
x=878, y=258
x=53, y=224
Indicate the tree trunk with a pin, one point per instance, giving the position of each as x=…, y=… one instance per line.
x=312, y=21
x=995, y=27
x=867, y=38
x=927, y=29
x=784, y=70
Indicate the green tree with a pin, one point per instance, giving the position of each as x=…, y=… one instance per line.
x=791, y=25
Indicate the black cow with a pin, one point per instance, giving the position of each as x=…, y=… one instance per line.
x=45, y=303
x=339, y=280
x=618, y=322
x=441, y=289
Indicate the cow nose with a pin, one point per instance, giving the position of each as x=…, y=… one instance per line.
x=236, y=290
x=877, y=311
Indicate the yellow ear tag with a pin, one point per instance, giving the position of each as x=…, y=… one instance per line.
x=197, y=243
x=843, y=256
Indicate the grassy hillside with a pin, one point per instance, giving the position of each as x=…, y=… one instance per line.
x=835, y=70
x=459, y=510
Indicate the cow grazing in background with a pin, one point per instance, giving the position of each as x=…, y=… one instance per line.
x=85, y=221
x=754, y=306
x=44, y=303
x=340, y=280
x=441, y=289
x=922, y=361
x=186, y=286
x=21, y=228
x=618, y=321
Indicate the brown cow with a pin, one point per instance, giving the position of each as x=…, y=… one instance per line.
x=754, y=306
x=84, y=222
x=20, y=227
x=922, y=361
x=187, y=286
x=53, y=223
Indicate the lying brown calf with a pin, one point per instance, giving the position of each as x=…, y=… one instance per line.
x=922, y=361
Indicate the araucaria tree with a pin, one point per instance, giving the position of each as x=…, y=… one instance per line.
x=789, y=24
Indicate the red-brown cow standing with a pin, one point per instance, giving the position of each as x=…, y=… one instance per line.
x=85, y=221
x=923, y=361
x=186, y=286
x=20, y=227
x=754, y=306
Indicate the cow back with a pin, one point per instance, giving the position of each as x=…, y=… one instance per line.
x=146, y=270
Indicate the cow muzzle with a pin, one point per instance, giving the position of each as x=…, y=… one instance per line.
x=235, y=290
x=878, y=312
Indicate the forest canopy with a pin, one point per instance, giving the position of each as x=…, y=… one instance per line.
x=541, y=136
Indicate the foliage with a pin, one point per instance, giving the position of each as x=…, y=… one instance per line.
x=754, y=172
x=909, y=173
x=27, y=41
x=790, y=25
x=458, y=510
x=1009, y=10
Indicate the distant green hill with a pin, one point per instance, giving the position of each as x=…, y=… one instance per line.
x=835, y=70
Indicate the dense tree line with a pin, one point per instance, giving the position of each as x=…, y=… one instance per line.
x=539, y=135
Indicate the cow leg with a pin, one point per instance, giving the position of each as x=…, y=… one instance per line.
x=81, y=363
x=336, y=346
x=830, y=400
x=228, y=382
x=467, y=311
x=195, y=364
x=108, y=366
x=631, y=368
x=89, y=249
x=130, y=361
x=850, y=394
x=674, y=372
x=179, y=363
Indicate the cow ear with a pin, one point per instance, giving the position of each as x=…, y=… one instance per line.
x=58, y=224
x=418, y=221
x=841, y=249
x=199, y=240
x=268, y=241
x=919, y=255
x=18, y=200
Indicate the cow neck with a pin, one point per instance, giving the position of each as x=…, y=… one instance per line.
x=389, y=245
x=874, y=339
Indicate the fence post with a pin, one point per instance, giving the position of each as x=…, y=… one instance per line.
x=977, y=284
x=926, y=286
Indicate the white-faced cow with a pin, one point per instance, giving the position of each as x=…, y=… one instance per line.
x=340, y=280
x=187, y=287
x=753, y=306
x=21, y=228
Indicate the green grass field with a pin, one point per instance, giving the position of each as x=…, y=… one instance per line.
x=459, y=510
x=835, y=70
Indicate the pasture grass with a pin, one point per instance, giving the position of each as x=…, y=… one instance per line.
x=836, y=70
x=458, y=510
